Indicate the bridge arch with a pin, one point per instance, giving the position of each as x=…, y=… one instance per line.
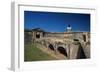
x=51, y=47
x=62, y=50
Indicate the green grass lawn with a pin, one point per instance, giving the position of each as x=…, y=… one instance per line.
x=32, y=53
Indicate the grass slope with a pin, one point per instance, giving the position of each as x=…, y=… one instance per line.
x=32, y=53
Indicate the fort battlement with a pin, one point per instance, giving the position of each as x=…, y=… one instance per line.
x=74, y=44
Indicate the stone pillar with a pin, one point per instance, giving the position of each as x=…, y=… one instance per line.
x=55, y=48
x=87, y=37
x=68, y=50
x=74, y=50
x=87, y=50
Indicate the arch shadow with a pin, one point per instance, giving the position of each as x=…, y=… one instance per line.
x=51, y=47
x=81, y=54
x=62, y=51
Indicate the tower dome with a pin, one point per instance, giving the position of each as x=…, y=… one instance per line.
x=69, y=28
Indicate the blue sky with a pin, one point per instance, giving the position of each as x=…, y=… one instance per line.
x=56, y=22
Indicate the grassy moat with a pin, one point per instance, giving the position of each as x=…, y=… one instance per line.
x=32, y=53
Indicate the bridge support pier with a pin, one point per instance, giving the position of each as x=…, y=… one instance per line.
x=55, y=48
x=74, y=51
x=68, y=51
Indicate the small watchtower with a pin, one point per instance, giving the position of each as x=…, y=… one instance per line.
x=38, y=33
x=69, y=28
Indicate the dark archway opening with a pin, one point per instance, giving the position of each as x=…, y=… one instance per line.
x=84, y=38
x=51, y=47
x=62, y=51
x=37, y=35
x=81, y=54
x=43, y=34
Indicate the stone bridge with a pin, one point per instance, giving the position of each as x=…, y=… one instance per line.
x=70, y=48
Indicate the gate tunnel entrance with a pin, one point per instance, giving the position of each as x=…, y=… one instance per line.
x=62, y=51
x=37, y=35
